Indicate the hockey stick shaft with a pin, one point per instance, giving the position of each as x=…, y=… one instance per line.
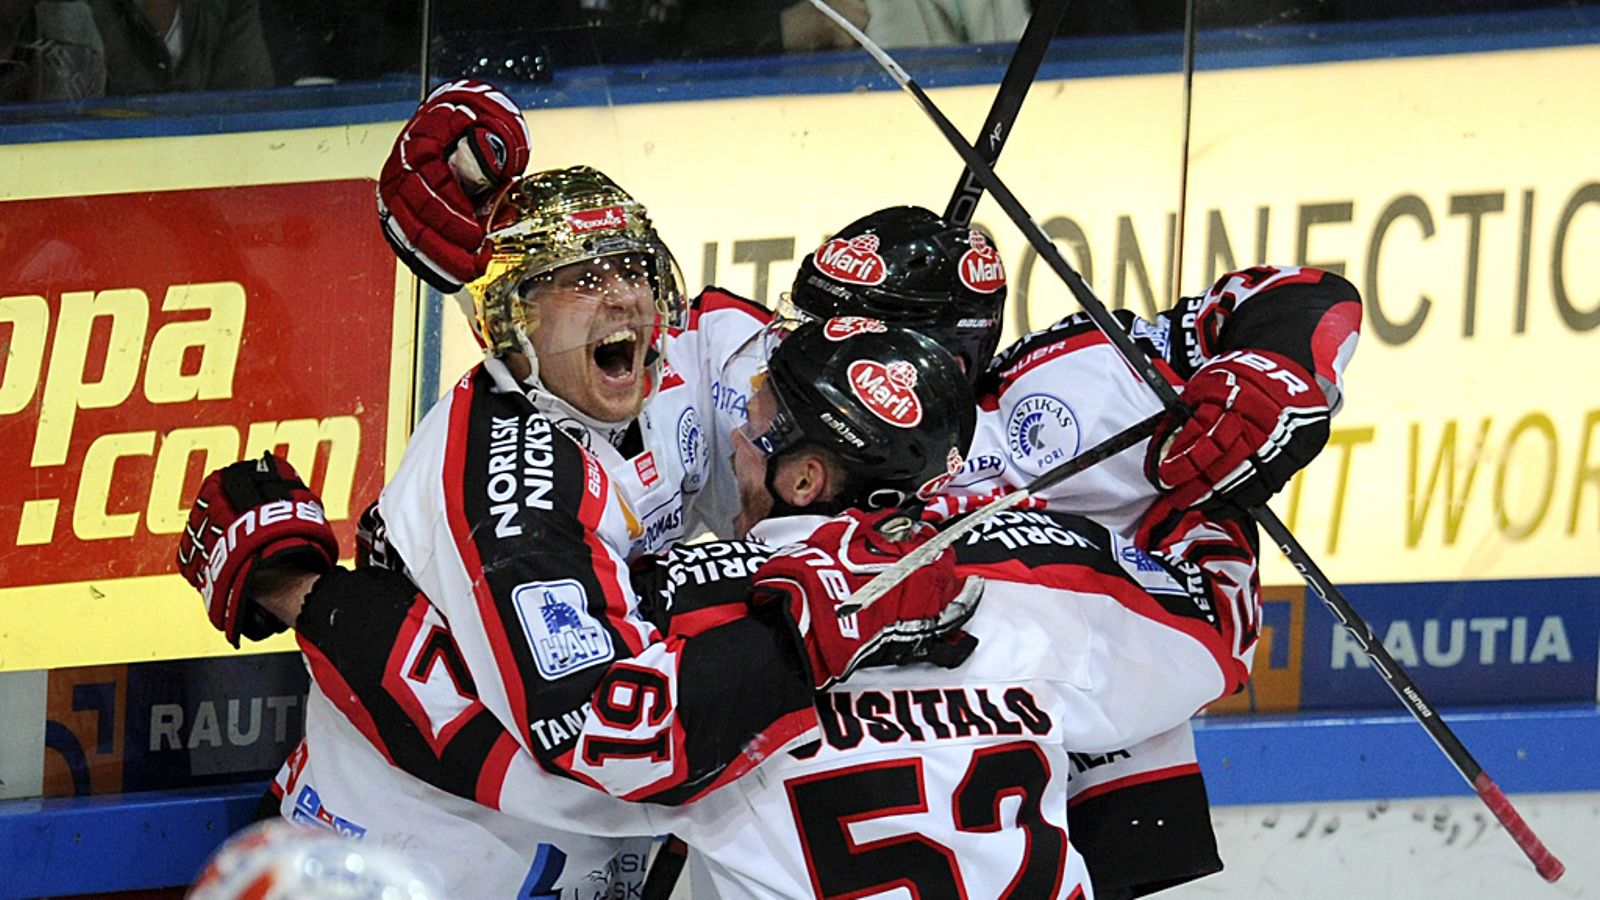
x=1544, y=862
x=1141, y=364
x=1020, y=72
x=665, y=869
x=916, y=559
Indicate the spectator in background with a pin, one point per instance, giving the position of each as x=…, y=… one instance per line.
x=156, y=46
x=941, y=23
x=743, y=27
x=78, y=49
x=49, y=51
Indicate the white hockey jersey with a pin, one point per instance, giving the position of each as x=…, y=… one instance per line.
x=953, y=782
x=517, y=520
x=1060, y=391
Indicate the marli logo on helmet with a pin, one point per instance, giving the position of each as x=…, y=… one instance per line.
x=980, y=267
x=609, y=218
x=952, y=468
x=886, y=391
x=903, y=374
x=841, y=328
x=853, y=261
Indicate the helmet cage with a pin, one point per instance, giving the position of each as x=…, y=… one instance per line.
x=553, y=219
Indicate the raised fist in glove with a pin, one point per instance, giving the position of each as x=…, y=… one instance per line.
x=918, y=620
x=1256, y=418
x=250, y=517
x=462, y=147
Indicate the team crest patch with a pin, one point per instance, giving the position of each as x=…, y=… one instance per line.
x=692, y=450
x=853, y=261
x=840, y=328
x=980, y=268
x=1144, y=568
x=1041, y=433
x=887, y=391
x=564, y=636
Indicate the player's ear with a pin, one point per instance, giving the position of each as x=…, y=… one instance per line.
x=803, y=479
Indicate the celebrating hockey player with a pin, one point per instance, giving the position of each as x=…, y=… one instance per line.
x=693, y=707
x=850, y=411
x=1085, y=643
x=520, y=500
x=1260, y=358
x=974, y=266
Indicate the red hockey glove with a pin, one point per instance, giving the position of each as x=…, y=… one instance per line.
x=1257, y=418
x=917, y=621
x=249, y=515
x=431, y=203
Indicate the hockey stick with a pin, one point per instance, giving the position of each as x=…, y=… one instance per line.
x=916, y=559
x=1183, y=165
x=1544, y=862
x=665, y=869
x=1020, y=72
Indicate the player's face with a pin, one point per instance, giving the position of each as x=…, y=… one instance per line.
x=750, y=464
x=596, y=321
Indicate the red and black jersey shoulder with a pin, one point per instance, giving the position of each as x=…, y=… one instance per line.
x=690, y=579
x=1021, y=540
x=1070, y=335
x=370, y=648
x=524, y=503
x=1302, y=313
x=714, y=299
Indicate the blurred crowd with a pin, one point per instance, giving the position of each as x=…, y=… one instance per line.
x=55, y=50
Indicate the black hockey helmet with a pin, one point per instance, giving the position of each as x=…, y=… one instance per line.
x=889, y=402
x=907, y=266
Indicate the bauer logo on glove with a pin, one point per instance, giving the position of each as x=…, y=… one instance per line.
x=249, y=517
x=1256, y=418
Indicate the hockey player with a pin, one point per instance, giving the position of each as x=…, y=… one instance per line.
x=454, y=206
x=395, y=687
x=1085, y=644
x=1260, y=360
x=1069, y=394
x=505, y=516
x=854, y=412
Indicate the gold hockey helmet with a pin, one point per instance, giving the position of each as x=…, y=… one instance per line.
x=555, y=218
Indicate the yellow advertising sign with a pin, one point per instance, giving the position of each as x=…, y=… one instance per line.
x=1466, y=449
x=129, y=374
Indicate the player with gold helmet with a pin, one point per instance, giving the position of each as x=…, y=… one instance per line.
x=498, y=655
x=579, y=292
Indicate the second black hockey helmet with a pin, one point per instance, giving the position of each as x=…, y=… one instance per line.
x=890, y=403
x=907, y=266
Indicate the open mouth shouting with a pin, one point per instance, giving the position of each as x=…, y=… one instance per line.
x=618, y=357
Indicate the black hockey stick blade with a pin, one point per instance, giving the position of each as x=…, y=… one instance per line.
x=1020, y=73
